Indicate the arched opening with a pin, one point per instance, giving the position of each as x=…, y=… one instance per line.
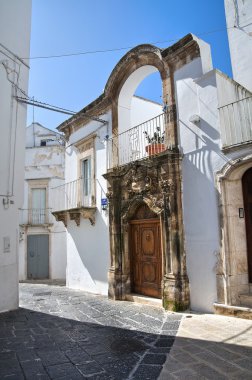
x=247, y=198
x=140, y=119
x=145, y=252
x=130, y=111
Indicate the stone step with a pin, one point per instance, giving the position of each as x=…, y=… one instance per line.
x=233, y=311
x=246, y=300
x=144, y=299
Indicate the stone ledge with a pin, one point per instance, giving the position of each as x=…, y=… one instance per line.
x=76, y=214
x=233, y=311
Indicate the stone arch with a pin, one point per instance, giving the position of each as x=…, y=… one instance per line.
x=139, y=56
x=131, y=70
x=232, y=267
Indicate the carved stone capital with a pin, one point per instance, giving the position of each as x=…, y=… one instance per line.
x=167, y=186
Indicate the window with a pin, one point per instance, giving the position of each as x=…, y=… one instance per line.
x=38, y=209
x=86, y=172
x=86, y=181
x=42, y=142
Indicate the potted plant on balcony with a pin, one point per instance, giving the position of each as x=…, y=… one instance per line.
x=155, y=142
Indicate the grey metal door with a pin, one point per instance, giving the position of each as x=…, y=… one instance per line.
x=37, y=256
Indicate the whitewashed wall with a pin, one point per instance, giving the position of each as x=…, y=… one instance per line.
x=197, y=95
x=88, y=252
x=15, y=23
x=238, y=19
x=44, y=163
x=87, y=245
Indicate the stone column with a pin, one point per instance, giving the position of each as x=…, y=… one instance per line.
x=170, y=112
x=115, y=270
x=175, y=285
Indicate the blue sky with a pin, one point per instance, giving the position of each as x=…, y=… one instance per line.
x=72, y=26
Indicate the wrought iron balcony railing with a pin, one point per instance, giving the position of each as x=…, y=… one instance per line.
x=236, y=123
x=72, y=195
x=141, y=141
x=35, y=216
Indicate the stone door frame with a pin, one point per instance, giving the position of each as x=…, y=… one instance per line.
x=157, y=183
x=232, y=266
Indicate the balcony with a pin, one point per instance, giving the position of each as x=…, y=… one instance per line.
x=35, y=217
x=147, y=139
x=236, y=123
x=75, y=200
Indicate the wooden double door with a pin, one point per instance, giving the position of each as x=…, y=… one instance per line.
x=145, y=257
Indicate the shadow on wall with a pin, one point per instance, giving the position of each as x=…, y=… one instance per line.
x=201, y=217
x=92, y=247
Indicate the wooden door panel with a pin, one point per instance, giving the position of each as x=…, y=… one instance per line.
x=148, y=241
x=146, y=257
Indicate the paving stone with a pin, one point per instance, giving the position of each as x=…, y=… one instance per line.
x=52, y=357
x=33, y=369
x=245, y=363
x=164, y=342
x=62, y=370
x=90, y=368
x=26, y=355
x=186, y=374
x=78, y=356
x=120, y=369
x=208, y=372
x=214, y=360
x=154, y=359
x=147, y=372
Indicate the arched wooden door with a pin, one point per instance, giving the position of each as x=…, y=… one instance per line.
x=247, y=197
x=145, y=253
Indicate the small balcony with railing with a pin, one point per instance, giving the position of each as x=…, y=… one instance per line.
x=74, y=200
x=236, y=123
x=142, y=141
x=35, y=217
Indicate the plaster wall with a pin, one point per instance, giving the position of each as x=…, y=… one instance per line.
x=202, y=95
x=87, y=245
x=238, y=19
x=197, y=95
x=15, y=23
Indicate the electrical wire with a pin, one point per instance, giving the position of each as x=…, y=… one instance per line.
x=119, y=48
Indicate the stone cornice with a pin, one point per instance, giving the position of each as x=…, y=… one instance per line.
x=76, y=214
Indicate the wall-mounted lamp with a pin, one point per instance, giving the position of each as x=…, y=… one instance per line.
x=241, y=213
x=195, y=119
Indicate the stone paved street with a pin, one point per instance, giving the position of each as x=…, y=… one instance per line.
x=210, y=346
x=64, y=334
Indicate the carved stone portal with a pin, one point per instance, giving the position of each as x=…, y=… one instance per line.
x=155, y=182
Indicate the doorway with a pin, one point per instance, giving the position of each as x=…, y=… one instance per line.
x=146, y=258
x=37, y=256
x=247, y=198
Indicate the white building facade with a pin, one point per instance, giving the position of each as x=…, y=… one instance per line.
x=42, y=240
x=15, y=23
x=79, y=204
x=239, y=29
x=177, y=211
